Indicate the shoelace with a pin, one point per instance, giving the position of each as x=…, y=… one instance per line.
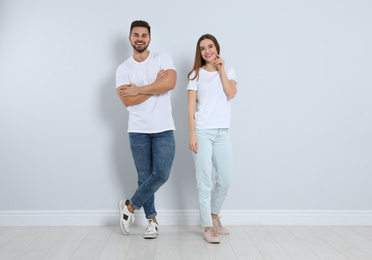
x=213, y=233
x=150, y=227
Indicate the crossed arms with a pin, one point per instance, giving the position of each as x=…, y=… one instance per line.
x=132, y=95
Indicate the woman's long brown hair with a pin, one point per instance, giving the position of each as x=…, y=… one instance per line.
x=199, y=61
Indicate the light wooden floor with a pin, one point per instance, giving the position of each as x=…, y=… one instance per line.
x=185, y=242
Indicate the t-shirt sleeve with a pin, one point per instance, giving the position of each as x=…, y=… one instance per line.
x=231, y=74
x=122, y=77
x=166, y=62
x=192, y=84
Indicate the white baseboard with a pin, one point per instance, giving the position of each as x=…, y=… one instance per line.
x=188, y=217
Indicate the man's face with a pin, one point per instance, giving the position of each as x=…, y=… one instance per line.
x=140, y=39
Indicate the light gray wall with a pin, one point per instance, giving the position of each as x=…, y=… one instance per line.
x=302, y=118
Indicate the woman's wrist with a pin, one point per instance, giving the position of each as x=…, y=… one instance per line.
x=222, y=68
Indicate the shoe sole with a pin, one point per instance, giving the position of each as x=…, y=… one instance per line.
x=121, y=208
x=150, y=236
x=211, y=242
x=216, y=242
x=223, y=233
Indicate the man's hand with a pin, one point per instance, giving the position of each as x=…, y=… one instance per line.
x=161, y=74
x=128, y=90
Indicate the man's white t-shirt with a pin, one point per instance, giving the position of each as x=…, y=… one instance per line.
x=154, y=115
x=213, y=108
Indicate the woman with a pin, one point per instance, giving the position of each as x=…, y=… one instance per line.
x=210, y=88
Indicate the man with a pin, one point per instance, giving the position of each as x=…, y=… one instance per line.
x=143, y=83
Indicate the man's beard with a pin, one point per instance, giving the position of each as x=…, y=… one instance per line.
x=140, y=50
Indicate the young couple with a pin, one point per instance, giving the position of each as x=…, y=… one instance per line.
x=143, y=83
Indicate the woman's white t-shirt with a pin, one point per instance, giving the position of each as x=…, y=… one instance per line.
x=213, y=108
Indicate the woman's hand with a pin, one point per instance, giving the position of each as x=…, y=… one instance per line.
x=219, y=62
x=193, y=144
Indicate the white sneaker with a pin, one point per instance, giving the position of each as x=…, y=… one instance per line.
x=126, y=217
x=152, y=230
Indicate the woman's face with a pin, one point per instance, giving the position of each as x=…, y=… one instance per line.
x=208, y=50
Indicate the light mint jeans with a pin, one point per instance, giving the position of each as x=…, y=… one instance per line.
x=213, y=146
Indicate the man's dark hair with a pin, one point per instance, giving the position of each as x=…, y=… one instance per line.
x=140, y=23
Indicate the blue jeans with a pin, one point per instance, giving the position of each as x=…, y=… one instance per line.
x=153, y=156
x=213, y=147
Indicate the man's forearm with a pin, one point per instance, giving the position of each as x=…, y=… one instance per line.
x=133, y=100
x=160, y=86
